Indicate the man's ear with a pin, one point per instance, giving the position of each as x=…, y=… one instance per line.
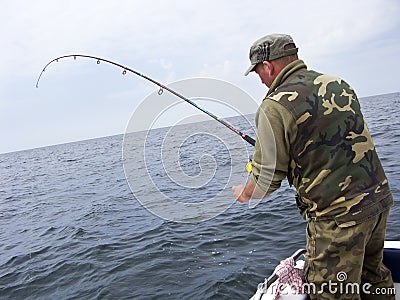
x=269, y=67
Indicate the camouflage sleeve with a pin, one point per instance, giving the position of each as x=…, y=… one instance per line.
x=276, y=130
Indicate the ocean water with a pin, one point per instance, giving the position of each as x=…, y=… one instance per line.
x=71, y=228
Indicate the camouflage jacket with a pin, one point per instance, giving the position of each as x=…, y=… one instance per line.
x=333, y=162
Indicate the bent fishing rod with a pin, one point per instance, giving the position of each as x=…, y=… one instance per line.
x=244, y=136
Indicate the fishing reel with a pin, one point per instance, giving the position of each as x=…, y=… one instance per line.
x=249, y=166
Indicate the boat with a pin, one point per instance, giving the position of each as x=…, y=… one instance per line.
x=276, y=286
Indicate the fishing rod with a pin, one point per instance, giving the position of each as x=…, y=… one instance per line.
x=244, y=136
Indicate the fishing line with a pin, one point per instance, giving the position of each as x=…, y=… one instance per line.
x=162, y=87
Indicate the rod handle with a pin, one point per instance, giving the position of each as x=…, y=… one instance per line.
x=249, y=139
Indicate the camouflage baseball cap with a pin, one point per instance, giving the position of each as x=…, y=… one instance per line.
x=268, y=48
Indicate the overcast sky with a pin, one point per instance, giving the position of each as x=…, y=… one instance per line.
x=169, y=41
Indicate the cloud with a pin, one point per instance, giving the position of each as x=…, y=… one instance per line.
x=206, y=31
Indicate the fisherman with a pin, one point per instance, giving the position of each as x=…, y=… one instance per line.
x=310, y=129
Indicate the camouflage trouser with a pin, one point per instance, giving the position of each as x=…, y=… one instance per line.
x=346, y=263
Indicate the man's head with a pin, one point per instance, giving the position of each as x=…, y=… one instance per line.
x=270, y=54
